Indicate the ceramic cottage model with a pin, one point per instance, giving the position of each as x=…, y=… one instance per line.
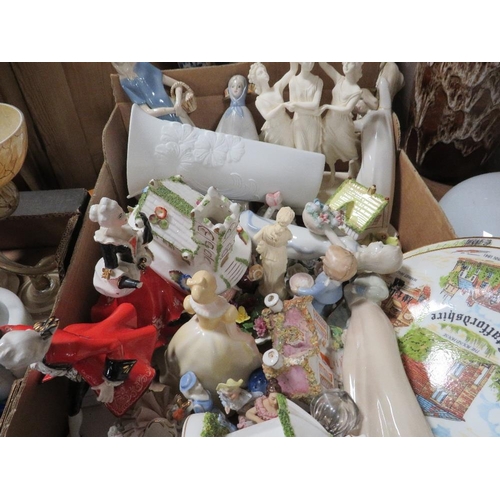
x=192, y=232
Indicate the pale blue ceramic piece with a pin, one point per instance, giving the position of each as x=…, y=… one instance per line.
x=148, y=88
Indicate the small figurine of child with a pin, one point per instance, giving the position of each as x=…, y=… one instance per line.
x=339, y=266
x=232, y=396
x=192, y=390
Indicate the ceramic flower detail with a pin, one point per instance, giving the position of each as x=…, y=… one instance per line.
x=260, y=327
x=214, y=150
x=242, y=315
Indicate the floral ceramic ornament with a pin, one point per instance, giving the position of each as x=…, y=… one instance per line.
x=210, y=344
x=300, y=358
x=237, y=119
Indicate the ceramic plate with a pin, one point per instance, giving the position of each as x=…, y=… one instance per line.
x=445, y=307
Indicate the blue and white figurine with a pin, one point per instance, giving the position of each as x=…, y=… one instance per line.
x=237, y=119
x=145, y=85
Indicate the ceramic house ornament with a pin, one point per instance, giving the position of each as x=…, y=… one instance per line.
x=240, y=169
x=192, y=232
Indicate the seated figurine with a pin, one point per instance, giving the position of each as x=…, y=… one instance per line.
x=144, y=85
x=124, y=249
x=232, y=396
x=237, y=119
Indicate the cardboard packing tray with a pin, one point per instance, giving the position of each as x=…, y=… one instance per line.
x=39, y=409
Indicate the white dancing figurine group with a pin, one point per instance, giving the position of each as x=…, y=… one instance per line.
x=327, y=128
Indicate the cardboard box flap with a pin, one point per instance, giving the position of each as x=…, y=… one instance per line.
x=416, y=213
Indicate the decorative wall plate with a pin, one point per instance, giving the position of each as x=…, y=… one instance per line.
x=445, y=306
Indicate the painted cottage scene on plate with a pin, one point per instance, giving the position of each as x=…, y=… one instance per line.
x=444, y=305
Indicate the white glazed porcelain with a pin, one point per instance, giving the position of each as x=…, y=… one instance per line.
x=378, y=149
x=473, y=206
x=238, y=168
x=12, y=310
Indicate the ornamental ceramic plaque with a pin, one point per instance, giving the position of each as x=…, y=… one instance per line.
x=445, y=306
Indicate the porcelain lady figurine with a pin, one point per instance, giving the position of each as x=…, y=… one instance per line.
x=210, y=344
x=372, y=370
x=124, y=249
x=339, y=266
x=265, y=407
x=277, y=127
x=339, y=141
x=237, y=119
x=271, y=243
x=305, y=97
x=145, y=86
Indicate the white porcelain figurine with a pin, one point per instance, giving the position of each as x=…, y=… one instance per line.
x=277, y=128
x=271, y=243
x=237, y=119
x=124, y=249
x=144, y=84
x=20, y=346
x=305, y=97
x=340, y=141
x=372, y=370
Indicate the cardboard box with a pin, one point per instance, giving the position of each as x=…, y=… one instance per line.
x=36, y=409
